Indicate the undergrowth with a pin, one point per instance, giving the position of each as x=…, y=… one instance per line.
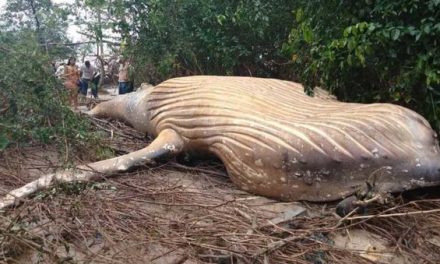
x=33, y=102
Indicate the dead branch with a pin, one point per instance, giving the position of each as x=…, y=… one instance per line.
x=78, y=43
x=394, y=215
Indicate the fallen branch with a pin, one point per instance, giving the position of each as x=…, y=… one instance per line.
x=275, y=245
x=394, y=215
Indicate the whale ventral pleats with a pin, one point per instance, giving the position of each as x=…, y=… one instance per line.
x=276, y=141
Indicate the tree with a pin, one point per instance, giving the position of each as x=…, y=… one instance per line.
x=43, y=18
x=32, y=100
x=169, y=38
x=90, y=17
x=368, y=51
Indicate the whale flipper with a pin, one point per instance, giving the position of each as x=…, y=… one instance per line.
x=168, y=142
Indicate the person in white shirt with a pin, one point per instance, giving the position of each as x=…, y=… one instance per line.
x=87, y=73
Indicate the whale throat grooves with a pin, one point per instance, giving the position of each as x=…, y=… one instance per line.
x=276, y=141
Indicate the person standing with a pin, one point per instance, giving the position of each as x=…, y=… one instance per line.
x=130, y=77
x=123, y=77
x=87, y=73
x=95, y=81
x=71, y=76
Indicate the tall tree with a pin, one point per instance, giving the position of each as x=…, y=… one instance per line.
x=47, y=20
x=368, y=51
x=172, y=37
x=96, y=23
x=32, y=107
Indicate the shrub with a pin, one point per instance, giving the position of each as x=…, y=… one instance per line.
x=371, y=50
x=33, y=101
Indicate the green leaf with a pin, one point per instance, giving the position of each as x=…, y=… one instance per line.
x=307, y=33
x=347, y=31
x=427, y=28
x=371, y=27
x=412, y=30
x=395, y=34
x=299, y=15
x=221, y=19
x=350, y=60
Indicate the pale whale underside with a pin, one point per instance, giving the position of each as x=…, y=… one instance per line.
x=278, y=142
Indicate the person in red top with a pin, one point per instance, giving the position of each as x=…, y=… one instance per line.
x=71, y=76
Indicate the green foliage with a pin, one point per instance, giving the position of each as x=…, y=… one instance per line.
x=372, y=50
x=33, y=100
x=46, y=20
x=88, y=15
x=4, y=142
x=104, y=152
x=207, y=37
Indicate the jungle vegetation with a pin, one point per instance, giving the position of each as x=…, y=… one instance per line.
x=362, y=51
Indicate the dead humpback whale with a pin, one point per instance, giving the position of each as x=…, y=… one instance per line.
x=274, y=140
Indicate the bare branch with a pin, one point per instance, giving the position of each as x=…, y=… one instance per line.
x=80, y=43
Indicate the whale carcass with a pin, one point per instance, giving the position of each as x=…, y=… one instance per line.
x=276, y=141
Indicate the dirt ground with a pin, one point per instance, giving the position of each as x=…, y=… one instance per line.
x=176, y=213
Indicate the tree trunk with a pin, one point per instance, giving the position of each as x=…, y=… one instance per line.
x=37, y=23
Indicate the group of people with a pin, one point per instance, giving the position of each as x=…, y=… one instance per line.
x=77, y=81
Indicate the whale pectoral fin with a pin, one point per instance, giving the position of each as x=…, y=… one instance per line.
x=167, y=143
